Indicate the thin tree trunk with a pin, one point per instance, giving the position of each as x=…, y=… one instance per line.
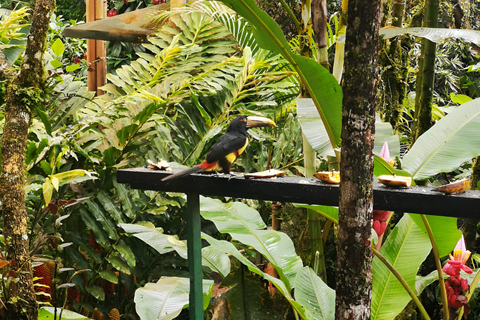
x=309, y=156
x=424, y=113
x=396, y=65
x=24, y=93
x=354, y=253
x=319, y=22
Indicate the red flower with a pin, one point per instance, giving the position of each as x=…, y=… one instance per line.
x=112, y=13
x=456, y=287
x=77, y=60
x=85, y=56
x=155, y=1
x=379, y=223
x=457, y=262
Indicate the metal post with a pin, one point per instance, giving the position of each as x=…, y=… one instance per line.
x=194, y=247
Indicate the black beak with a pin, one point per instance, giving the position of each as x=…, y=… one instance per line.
x=255, y=122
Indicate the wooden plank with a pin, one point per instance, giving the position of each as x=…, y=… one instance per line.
x=302, y=190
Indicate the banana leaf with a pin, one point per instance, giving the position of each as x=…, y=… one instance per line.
x=314, y=131
x=452, y=141
x=315, y=295
x=405, y=248
x=444, y=229
x=229, y=248
x=244, y=224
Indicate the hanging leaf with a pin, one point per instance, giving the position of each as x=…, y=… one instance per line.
x=314, y=131
x=244, y=224
x=405, y=248
x=434, y=34
x=155, y=238
x=315, y=295
x=165, y=299
x=229, y=248
x=453, y=140
x=216, y=260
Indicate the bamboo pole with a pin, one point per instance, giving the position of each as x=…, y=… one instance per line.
x=100, y=49
x=91, y=51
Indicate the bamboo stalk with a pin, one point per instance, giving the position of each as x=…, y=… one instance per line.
x=100, y=49
x=91, y=50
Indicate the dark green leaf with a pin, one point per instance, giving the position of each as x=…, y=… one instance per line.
x=110, y=207
x=119, y=264
x=99, y=214
x=96, y=227
x=97, y=292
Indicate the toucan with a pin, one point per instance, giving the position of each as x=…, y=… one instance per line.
x=227, y=148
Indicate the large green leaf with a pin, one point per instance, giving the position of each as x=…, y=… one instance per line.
x=244, y=224
x=314, y=131
x=445, y=146
x=155, y=238
x=165, y=299
x=444, y=229
x=229, y=248
x=321, y=85
x=315, y=295
x=405, y=248
x=216, y=260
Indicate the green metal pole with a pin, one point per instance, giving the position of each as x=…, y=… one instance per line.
x=194, y=247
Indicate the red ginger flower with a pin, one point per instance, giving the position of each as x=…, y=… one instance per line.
x=112, y=13
x=380, y=221
x=458, y=260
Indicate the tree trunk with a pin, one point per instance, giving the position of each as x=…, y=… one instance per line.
x=24, y=93
x=319, y=22
x=423, y=111
x=354, y=254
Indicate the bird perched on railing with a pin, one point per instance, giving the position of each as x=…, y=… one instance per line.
x=226, y=149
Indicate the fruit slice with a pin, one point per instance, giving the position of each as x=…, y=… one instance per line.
x=328, y=176
x=395, y=181
x=265, y=174
x=455, y=187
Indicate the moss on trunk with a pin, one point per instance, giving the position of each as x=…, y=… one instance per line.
x=24, y=92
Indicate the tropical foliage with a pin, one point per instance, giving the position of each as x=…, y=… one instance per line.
x=101, y=249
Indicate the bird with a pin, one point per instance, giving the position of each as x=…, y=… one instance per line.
x=227, y=148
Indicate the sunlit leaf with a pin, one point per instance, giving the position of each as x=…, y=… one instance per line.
x=165, y=299
x=434, y=34
x=58, y=47
x=444, y=147
x=244, y=224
